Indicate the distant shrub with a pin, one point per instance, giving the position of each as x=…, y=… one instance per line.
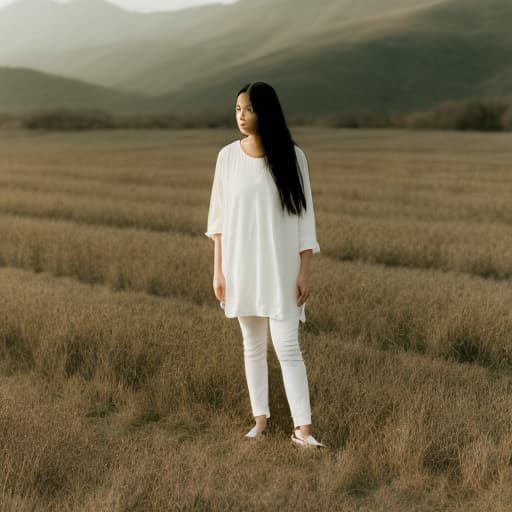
x=438, y=117
x=65, y=119
x=167, y=120
x=364, y=119
x=478, y=114
x=481, y=115
x=10, y=120
x=506, y=119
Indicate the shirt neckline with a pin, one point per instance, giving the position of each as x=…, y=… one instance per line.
x=249, y=156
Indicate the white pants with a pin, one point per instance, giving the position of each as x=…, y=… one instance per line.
x=285, y=339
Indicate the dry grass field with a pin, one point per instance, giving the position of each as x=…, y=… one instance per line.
x=122, y=385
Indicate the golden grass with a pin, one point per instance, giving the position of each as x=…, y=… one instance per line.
x=122, y=383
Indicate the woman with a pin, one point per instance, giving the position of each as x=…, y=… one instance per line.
x=262, y=221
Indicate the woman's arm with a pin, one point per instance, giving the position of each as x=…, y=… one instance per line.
x=307, y=223
x=305, y=261
x=216, y=210
x=217, y=257
x=308, y=243
x=303, y=277
x=219, y=283
x=215, y=225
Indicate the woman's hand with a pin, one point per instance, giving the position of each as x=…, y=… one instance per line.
x=302, y=288
x=219, y=285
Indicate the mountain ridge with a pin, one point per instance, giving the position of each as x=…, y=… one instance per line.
x=23, y=89
x=364, y=54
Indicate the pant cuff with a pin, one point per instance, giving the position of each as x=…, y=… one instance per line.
x=301, y=421
x=266, y=413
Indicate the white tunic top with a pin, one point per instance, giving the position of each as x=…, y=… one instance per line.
x=260, y=242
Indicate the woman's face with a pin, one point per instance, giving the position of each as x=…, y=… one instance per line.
x=246, y=118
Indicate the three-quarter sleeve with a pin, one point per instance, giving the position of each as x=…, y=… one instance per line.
x=307, y=227
x=216, y=211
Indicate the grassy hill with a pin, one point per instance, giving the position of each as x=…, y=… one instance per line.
x=416, y=59
x=26, y=89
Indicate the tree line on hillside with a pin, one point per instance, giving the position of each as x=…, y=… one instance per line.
x=477, y=114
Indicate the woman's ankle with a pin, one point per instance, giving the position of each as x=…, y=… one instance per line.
x=261, y=422
x=305, y=430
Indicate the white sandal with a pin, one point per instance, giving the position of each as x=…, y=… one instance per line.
x=308, y=442
x=255, y=433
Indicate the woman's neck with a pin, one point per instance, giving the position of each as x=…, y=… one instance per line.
x=253, y=145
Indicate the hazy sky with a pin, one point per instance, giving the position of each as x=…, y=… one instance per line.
x=149, y=5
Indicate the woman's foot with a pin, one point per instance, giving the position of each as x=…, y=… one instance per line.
x=256, y=432
x=259, y=429
x=306, y=441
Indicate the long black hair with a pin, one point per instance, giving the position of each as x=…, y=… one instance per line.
x=278, y=144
